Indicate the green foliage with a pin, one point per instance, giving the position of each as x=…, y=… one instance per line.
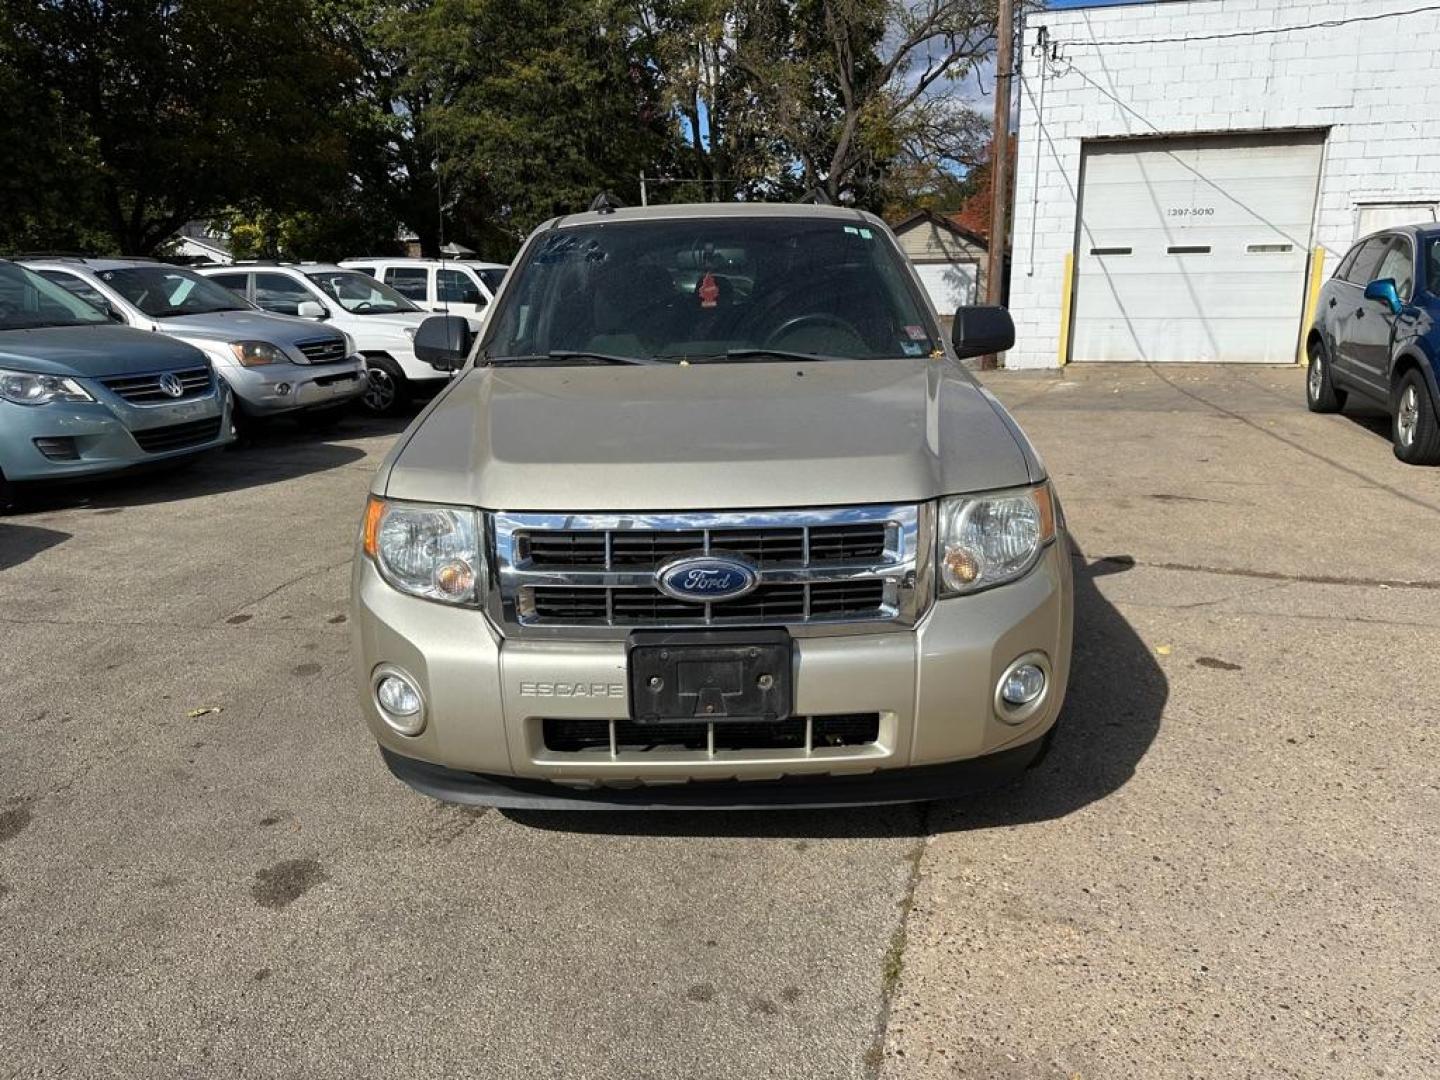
x=322, y=128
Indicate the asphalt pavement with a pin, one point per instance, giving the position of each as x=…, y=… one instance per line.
x=1225, y=869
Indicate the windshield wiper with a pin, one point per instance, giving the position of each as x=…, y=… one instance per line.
x=761, y=354
x=579, y=356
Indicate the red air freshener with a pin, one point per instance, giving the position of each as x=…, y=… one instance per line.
x=709, y=291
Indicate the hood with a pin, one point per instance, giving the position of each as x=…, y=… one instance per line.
x=708, y=437
x=92, y=351
x=240, y=325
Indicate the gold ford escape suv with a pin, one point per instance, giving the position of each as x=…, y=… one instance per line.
x=712, y=515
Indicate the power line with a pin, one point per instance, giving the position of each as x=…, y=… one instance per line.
x=1264, y=30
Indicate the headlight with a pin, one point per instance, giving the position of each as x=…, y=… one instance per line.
x=258, y=353
x=428, y=551
x=987, y=540
x=23, y=388
x=349, y=343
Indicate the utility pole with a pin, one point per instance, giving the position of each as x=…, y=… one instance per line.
x=1000, y=150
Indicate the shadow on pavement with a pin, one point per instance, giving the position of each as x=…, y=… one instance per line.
x=1112, y=713
x=20, y=543
x=1372, y=418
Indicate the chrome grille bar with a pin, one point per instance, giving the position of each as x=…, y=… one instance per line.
x=582, y=597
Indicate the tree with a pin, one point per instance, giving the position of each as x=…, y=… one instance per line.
x=180, y=110
x=533, y=107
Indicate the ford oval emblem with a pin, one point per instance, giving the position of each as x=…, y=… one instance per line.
x=701, y=579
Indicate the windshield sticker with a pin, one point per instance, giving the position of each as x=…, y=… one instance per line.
x=912, y=348
x=916, y=333
x=709, y=291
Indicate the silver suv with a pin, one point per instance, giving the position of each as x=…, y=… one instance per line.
x=380, y=321
x=273, y=365
x=713, y=516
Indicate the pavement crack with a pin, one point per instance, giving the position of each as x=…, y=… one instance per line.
x=1269, y=575
x=314, y=571
x=893, y=965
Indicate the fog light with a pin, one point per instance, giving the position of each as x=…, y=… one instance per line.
x=1023, y=685
x=283, y=389
x=1023, y=688
x=401, y=705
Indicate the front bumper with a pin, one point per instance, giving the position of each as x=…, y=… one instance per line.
x=932, y=687
x=103, y=433
x=275, y=389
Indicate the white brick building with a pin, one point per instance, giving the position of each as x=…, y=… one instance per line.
x=1193, y=167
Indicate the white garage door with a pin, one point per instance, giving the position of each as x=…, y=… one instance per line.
x=950, y=285
x=1194, y=248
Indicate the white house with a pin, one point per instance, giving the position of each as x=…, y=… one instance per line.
x=1190, y=170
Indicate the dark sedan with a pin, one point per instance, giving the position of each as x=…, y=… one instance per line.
x=1377, y=335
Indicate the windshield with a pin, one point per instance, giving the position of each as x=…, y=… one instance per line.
x=1432, y=264
x=714, y=289
x=28, y=301
x=359, y=294
x=166, y=291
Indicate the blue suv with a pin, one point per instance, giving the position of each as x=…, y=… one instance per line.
x=1377, y=334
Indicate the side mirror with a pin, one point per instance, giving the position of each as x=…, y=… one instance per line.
x=443, y=342
x=981, y=330
x=1384, y=290
x=310, y=309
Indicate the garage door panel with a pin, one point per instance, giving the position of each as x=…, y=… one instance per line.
x=1194, y=248
x=1150, y=340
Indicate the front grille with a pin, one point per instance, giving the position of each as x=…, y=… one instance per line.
x=641, y=606
x=563, y=548
x=599, y=571
x=178, y=436
x=146, y=389
x=324, y=350
x=569, y=736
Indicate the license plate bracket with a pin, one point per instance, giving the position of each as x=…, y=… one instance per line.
x=710, y=676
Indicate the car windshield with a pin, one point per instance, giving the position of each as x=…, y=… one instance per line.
x=359, y=294
x=163, y=292
x=713, y=289
x=28, y=302
x=1432, y=264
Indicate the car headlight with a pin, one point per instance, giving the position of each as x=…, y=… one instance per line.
x=434, y=552
x=258, y=353
x=987, y=540
x=25, y=388
x=349, y=343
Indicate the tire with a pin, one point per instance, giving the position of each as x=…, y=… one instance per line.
x=1414, y=425
x=387, y=390
x=1320, y=393
x=243, y=426
x=9, y=496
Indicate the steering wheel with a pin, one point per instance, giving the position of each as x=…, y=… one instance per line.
x=362, y=307
x=817, y=319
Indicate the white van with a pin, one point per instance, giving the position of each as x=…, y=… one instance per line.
x=450, y=286
x=380, y=320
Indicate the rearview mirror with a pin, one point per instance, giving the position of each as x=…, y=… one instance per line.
x=309, y=309
x=1384, y=289
x=981, y=330
x=443, y=342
